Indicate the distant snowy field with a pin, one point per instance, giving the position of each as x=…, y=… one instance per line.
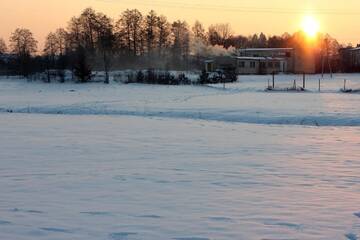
x=244, y=101
x=119, y=161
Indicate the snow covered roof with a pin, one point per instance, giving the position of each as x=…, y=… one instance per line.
x=245, y=58
x=350, y=49
x=265, y=49
x=259, y=58
x=355, y=49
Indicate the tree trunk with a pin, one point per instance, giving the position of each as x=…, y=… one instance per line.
x=106, y=68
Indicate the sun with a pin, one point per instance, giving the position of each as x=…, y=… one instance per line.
x=310, y=26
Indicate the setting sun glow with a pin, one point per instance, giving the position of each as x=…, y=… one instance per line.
x=310, y=26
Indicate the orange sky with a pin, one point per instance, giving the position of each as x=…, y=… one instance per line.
x=339, y=18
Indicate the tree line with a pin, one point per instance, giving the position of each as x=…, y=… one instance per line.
x=93, y=40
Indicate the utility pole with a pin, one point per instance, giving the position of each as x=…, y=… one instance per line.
x=325, y=47
x=322, y=60
x=328, y=57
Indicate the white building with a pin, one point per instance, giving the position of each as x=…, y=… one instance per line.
x=247, y=65
x=265, y=61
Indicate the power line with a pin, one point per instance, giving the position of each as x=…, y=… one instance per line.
x=212, y=7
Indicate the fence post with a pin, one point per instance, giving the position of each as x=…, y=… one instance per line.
x=344, y=85
x=304, y=80
x=273, y=79
x=319, y=84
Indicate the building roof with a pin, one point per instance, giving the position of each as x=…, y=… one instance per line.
x=265, y=49
x=350, y=49
x=245, y=58
x=259, y=58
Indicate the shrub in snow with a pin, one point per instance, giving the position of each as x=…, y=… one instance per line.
x=140, y=77
x=204, y=77
x=183, y=80
x=220, y=76
x=152, y=76
x=166, y=78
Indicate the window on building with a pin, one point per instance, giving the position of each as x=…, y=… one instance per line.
x=270, y=64
x=252, y=64
x=209, y=67
x=263, y=64
x=241, y=64
x=288, y=54
x=277, y=64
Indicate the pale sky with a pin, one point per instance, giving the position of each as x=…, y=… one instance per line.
x=341, y=19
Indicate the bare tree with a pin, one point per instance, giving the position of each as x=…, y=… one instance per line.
x=74, y=37
x=61, y=38
x=22, y=42
x=151, y=31
x=238, y=41
x=88, y=24
x=24, y=45
x=106, y=41
x=3, y=47
x=91, y=36
x=50, y=51
x=219, y=33
x=124, y=29
x=130, y=24
x=62, y=45
x=164, y=28
x=181, y=36
x=83, y=31
x=51, y=47
x=199, y=31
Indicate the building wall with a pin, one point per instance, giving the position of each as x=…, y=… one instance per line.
x=273, y=66
x=350, y=59
x=283, y=59
x=265, y=66
x=288, y=54
x=247, y=66
x=256, y=65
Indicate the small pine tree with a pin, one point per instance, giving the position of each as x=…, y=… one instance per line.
x=151, y=77
x=82, y=69
x=140, y=77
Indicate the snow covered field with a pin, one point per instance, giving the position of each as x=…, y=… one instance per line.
x=244, y=101
x=118, y=162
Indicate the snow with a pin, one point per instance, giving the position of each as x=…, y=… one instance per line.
x=264, y=49
x=258, y=58
x=244, y=101
x=95, y=161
